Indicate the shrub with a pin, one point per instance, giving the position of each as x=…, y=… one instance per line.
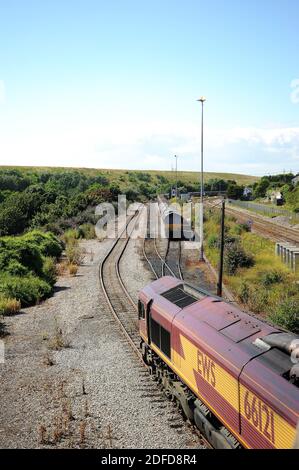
x=236, y=257
x=271, y=277
x=286, y=314
x=47, y=242
x=230, y=239
x=244, y=292
x=258, y=299
x=238, y=229
x=16, y=268
x=86, y=231
x=24, y=252
x=213, y=241
x=9, y=306
x=28, y=290
x=70, y=235
x=74, y=253
x=49, y=271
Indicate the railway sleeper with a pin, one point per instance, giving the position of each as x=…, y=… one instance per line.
x=192, y=408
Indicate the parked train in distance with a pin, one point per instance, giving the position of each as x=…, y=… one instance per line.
x=231, y=374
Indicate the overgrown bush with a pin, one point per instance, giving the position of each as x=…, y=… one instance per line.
x=238, y=229
x=28, y=290
x=25, y=254
x=27, y=266
x=49, y=270
x=271, y=277
x=236, y=257
x=70, y=235
x=86, y=231
x=213, y=241
x=258, y=299
x=74, y=253
x=244, y=292
x=16, y=268
x=47, y=242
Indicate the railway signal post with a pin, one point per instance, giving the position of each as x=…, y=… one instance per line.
x=219, y=284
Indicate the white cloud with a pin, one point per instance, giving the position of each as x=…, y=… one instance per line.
x=150, y=145
x=2, y=91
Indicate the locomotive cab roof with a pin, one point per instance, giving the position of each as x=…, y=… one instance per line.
x=250, y=335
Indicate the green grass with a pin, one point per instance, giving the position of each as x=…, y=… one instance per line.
x=268, y=287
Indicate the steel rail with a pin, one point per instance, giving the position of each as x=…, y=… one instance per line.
x=122, y=326
x=266, y=227
x=105, y=290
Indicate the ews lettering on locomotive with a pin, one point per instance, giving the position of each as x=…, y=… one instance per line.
x=206, y=367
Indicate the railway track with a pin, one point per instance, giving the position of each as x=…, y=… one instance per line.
x=149, y=254
x=268, y=228
x=172, y=263
x=121, y=304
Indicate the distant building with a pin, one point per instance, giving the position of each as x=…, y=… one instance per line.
x=295, y=180
x=275, y=197
x=185, y=197
x=247, y=192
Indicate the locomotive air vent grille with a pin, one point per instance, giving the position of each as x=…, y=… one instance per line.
x=178, y=296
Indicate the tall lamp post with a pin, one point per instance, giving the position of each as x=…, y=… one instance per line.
x=201, y=100
x=176, y=176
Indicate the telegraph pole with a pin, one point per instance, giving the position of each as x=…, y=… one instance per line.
x=201, y=100
x=219, y=284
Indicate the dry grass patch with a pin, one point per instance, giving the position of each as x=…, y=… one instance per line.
x=73, y=269
x=9, y=306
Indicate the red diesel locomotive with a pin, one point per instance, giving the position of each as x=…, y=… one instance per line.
x=233, y=375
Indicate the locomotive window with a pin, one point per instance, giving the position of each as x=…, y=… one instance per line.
x=165, y=342
x=141, y=310
x=160, y=337
x=155, y=333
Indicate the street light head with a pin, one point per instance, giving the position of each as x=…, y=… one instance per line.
x=202, y=99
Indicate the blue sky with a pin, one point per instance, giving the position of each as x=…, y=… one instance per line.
x=114, y=84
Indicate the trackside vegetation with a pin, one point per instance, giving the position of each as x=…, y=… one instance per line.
x=27, y=269
x=258, y=279
x=60, y=199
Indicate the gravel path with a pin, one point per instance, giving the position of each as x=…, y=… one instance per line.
x=196, y=272
x=71, y=380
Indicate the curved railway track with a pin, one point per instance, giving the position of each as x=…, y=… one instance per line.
x=173, y=259
x=149, y=255
x=120, y=302
x=170, y=264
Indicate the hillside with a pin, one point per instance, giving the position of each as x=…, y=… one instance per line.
x=113, y=175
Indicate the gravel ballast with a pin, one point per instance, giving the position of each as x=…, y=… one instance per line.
x=71, y=380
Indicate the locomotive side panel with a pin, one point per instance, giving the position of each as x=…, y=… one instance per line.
x=269, y=407
x=200, y=369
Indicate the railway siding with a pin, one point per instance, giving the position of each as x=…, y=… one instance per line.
x=265, y=226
